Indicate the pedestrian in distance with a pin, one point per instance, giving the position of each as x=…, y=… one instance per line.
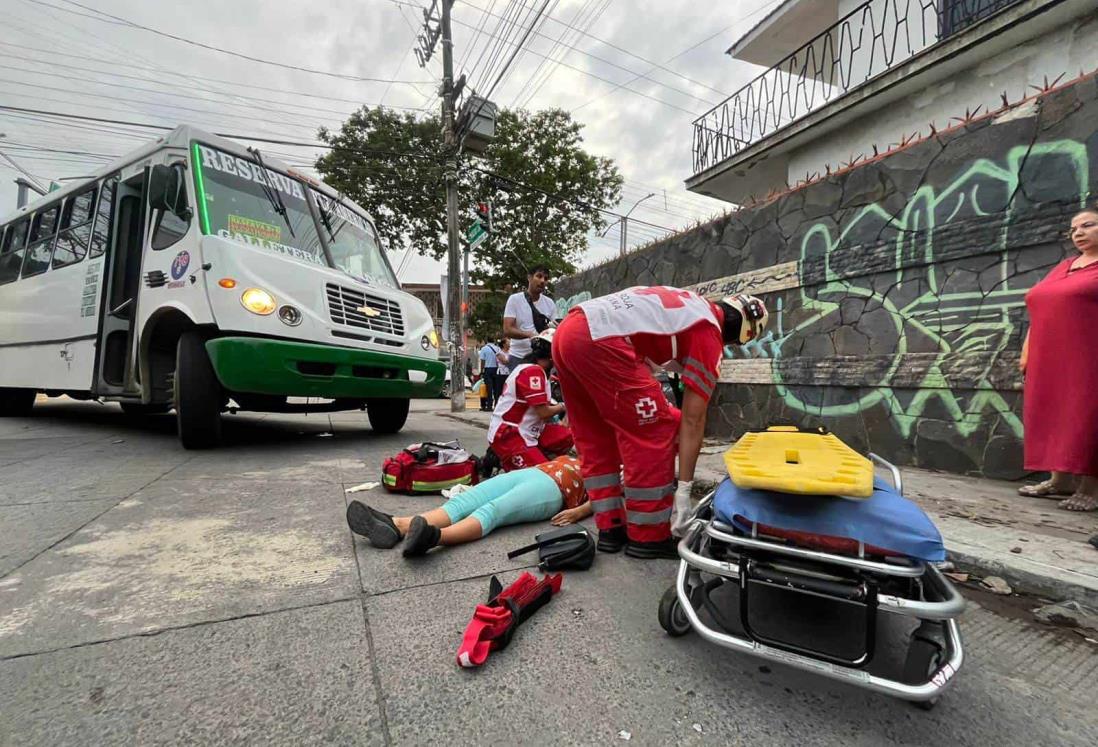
x=1060, y=409
x=528, y=313
x=489, y=364
x=503, y=367
x=553, y=490
x=626, y=431
x=520, y=433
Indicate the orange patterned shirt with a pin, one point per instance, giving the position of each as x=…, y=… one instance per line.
x=565, y=471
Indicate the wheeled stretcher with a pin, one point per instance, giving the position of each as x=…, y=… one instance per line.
x=769, y=574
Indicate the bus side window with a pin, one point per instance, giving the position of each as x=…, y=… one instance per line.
x=76, y=218
x=102, y=232
x=11, y=252
x=40, y=248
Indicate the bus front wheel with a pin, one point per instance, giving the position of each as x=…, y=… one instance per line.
x=387, y=415
x=16, y=403
x=198, y=394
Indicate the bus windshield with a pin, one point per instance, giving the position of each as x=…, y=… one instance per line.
x=241, y=200
x=353, y=242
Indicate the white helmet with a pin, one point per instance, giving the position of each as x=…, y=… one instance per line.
x=753, y=318
x=541, y=345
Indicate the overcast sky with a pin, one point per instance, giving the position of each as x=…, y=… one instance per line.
x=59, y=57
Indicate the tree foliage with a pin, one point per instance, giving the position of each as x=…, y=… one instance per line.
x=534, y=153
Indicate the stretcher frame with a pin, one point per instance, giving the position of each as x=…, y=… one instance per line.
x=797, y=570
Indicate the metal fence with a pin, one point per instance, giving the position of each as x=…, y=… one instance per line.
x=870, y=40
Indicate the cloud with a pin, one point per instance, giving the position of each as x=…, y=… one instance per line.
x=649, y=141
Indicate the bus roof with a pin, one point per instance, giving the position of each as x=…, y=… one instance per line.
x=180, y=137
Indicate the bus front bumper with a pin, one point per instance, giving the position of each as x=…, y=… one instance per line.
x=258, y=365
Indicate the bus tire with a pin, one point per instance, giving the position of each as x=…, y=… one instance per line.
x=198, y=395
x=16, y=403
x=387, y=415
x=137, y=410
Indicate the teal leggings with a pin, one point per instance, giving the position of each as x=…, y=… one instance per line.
x=511, y=498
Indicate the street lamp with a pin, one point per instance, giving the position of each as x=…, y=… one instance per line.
x=625, y=222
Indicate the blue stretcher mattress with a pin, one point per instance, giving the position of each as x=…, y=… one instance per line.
x=884, y=520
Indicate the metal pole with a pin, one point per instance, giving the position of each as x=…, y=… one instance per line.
x=453, y=298
x=624, y=228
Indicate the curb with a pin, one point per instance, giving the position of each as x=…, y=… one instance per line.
x=1023, y=575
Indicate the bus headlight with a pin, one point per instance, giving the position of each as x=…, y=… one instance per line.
x=258, y=301
x=432, y=337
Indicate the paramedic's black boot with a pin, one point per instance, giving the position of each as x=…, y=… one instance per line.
x=376, y=526
x=611, y=540
x=668, y=548
x=421, y=537
x=489, y=464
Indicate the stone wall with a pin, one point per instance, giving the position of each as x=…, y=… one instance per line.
x=896, y=286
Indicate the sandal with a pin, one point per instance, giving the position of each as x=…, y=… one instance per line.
x=1080, y=502
x=1045, y=489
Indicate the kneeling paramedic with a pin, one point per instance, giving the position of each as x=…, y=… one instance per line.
x=624, y=428
x=519, y=432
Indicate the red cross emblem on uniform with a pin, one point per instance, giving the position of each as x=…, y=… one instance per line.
x=669, y=297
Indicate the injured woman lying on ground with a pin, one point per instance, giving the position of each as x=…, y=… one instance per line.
x=553, y=490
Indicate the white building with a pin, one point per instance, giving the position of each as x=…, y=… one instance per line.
x=846, y=76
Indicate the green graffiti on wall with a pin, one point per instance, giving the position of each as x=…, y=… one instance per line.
x=956, y=322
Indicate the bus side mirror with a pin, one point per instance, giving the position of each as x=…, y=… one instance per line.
x=167, y=190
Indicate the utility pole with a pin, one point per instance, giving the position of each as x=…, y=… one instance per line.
x=434, y=29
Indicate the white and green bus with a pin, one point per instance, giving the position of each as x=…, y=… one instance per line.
x=196, y=274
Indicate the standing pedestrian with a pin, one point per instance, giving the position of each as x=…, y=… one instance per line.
x=1060, y=410
x=527, y=314
x=503, y=366
x=617, y=410
x=489, y=364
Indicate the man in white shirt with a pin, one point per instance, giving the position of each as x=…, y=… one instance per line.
x=519, y=321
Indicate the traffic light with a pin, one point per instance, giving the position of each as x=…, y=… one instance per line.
x=484, y=215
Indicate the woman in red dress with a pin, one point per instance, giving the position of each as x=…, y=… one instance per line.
x=1060, y=363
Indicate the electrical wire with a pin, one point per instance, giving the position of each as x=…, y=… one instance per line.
x=240, y=55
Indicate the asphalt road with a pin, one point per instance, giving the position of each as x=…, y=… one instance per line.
x=152, y=595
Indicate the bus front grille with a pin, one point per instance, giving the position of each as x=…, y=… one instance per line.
x=356, y=308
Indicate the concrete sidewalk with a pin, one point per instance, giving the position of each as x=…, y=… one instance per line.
x=989, y=529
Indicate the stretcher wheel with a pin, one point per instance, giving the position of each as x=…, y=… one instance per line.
x=924, y=655
x=672, y=617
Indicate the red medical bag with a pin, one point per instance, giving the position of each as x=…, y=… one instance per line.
x=416, y=469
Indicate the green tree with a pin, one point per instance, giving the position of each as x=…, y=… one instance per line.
x=545, y=200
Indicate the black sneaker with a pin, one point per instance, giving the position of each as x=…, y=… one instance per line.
x=421, y=537
x=611, y=540
x=668, y=548
x=376, y=526
x=1093, y=540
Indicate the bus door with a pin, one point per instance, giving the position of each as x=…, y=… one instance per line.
x=116, y=370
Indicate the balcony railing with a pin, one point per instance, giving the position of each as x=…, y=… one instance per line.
x=870, y=40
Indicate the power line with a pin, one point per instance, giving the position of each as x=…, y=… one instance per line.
x=691, y=48
x=241, y=55
x=593, y=13
x=599, y=77
x=359, y=151
x=238, y=84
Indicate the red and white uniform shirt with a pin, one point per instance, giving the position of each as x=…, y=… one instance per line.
x=674, y=329
x=526, y=388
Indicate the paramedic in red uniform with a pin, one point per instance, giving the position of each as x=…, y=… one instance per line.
x=519, y=432
x=604, y=352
